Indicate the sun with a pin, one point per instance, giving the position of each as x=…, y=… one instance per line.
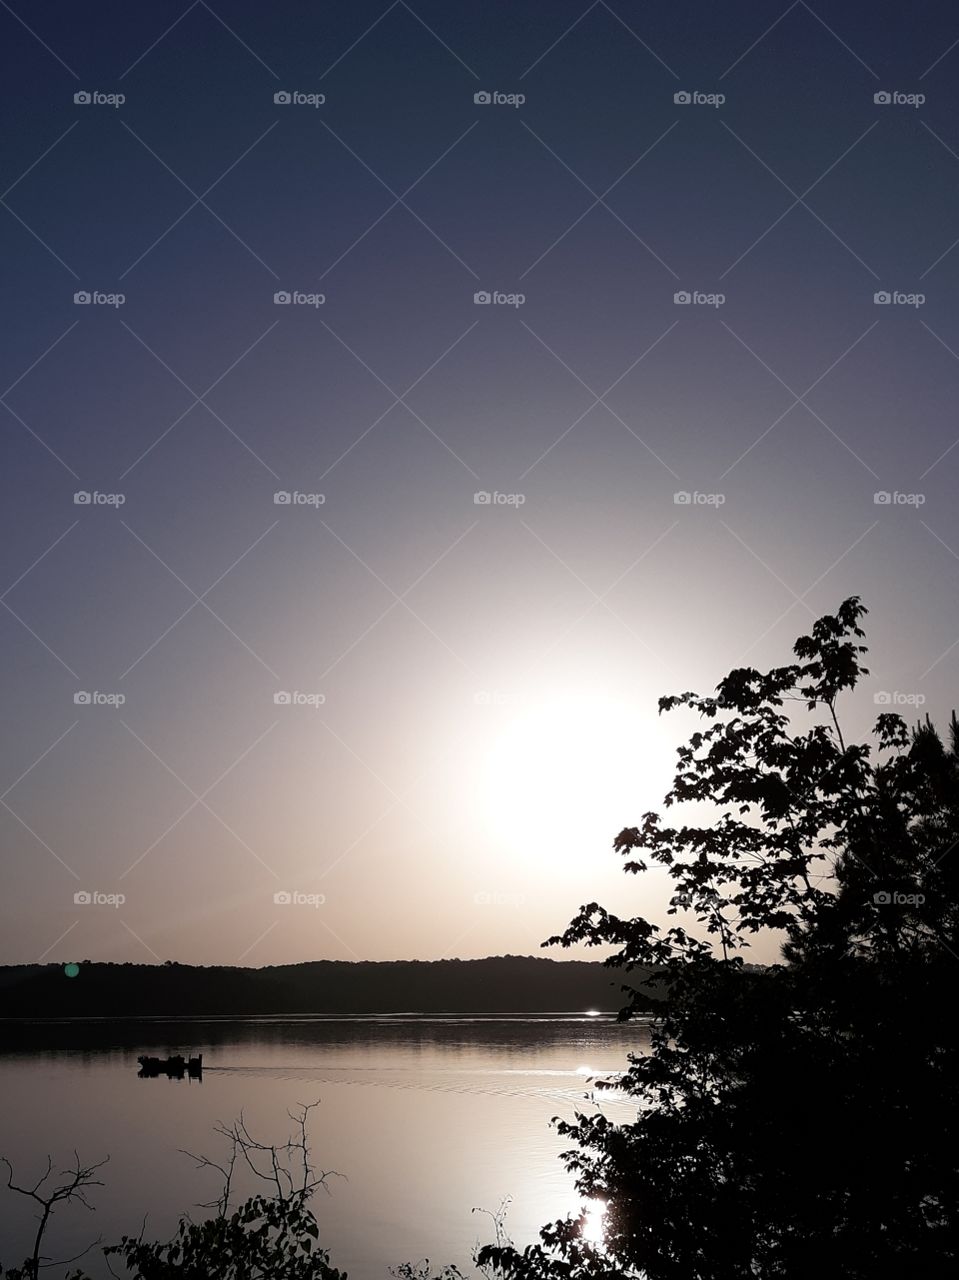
x=560, y=775
x=594, y=1228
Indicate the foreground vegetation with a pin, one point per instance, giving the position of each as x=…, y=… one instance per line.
x=802, y=1120
x=796, y=1120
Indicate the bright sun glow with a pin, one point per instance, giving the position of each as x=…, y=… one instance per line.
x=561, y=775
x=594, y=1226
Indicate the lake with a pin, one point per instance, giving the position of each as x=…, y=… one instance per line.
x=425, y=1118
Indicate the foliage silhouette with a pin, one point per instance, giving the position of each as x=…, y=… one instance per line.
x=802, y=1118
x=72, y=1190
x=272, y=1235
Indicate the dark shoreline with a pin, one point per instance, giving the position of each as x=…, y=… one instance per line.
x=498, y=985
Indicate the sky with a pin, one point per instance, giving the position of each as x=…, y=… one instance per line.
x=399, y=398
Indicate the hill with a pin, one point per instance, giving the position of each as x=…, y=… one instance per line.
x=499, y=984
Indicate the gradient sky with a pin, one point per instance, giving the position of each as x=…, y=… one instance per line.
x=489, y=672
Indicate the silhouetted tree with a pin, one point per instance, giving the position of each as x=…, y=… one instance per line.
x=799, y=1120
x=71, y=1190
x=272, y=1235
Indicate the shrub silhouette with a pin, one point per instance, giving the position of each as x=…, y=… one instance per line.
x=272, y=1235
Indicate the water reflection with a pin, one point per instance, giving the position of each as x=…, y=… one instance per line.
x=446, y=1113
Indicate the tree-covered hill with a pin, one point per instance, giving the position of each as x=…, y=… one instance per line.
x=499, y=984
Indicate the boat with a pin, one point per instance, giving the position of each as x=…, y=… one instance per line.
x=175, y=1068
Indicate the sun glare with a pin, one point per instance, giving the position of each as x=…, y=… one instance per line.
x=559, y=776
x=595, y=1224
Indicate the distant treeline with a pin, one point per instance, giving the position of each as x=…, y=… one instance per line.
x=500, y=984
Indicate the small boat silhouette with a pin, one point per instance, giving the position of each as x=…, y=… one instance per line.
x=174, y=1068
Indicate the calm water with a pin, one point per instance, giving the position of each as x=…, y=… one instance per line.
x=426, y=1118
